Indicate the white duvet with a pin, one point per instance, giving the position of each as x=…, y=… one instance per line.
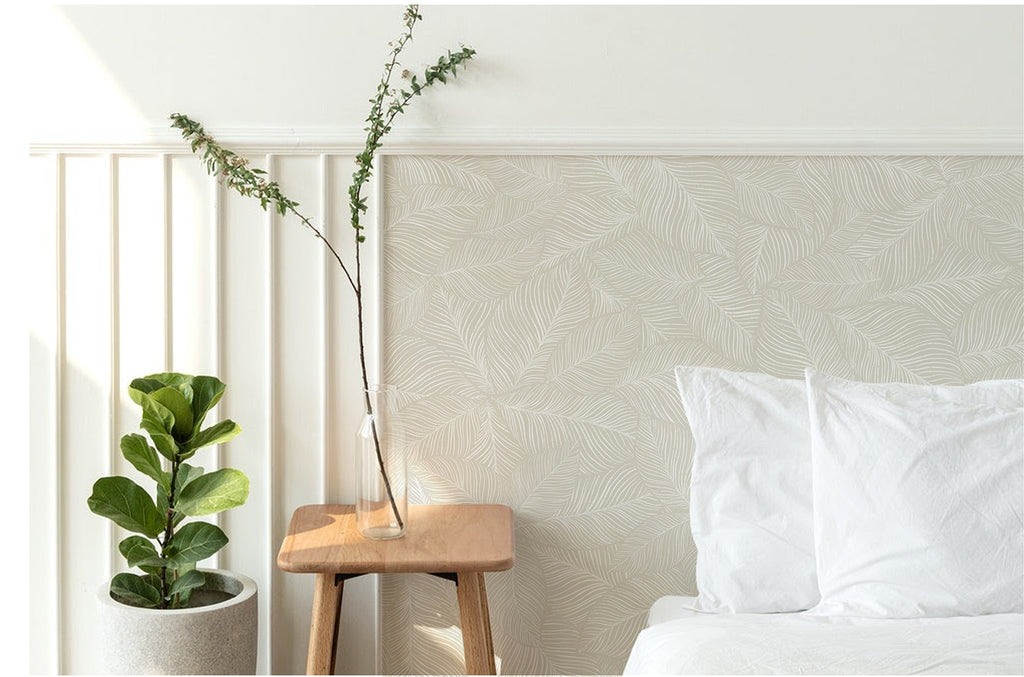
x=680, y=641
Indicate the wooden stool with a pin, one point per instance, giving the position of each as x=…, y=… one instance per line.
x=458, y=542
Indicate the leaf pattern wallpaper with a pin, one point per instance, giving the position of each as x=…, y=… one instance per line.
x=535, y=306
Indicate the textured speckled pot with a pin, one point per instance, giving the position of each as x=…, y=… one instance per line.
x=217, y=639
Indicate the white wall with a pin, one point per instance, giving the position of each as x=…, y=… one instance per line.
x=670, y=78
x=565, y=67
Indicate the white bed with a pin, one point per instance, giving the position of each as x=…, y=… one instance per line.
x=681, y=641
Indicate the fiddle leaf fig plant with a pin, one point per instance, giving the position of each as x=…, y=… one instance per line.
x=174, y=408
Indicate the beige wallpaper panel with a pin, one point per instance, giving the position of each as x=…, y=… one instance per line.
x=534, y=308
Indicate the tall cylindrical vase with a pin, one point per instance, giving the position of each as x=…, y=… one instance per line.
x=382, y=504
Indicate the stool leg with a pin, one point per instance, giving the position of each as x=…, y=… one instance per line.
x=487, y=626
x=323, y=626
x=475, y=624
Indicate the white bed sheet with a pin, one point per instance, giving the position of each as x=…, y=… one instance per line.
x=680, y=641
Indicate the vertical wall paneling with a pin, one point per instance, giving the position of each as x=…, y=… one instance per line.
x=244, y=361
x=86, y=418
x=298, y=372
x=44, y=420
x=151, y=266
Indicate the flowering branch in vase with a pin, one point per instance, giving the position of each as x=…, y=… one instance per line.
x=385, y=106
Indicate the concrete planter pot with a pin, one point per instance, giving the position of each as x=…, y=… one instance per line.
x=216, y=639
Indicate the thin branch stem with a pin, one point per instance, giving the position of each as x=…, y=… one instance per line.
x=327, y=242
x=250, y=182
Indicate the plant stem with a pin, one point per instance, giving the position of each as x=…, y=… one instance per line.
x=251, y=182
x=327, y=242
x=168, y=535
x=366, y=399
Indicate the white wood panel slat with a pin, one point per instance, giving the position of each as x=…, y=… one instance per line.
x=213, y=455
x=194, y=280
x=61, y=382
x=167, y=205
x=358, y=629
x=140, y=310
x=245, y=311
x=299, y=365
x=344, y=393
x=142, y=273
x=86, y=538
x=44, y=421
x=326, y=260
x=113, y=452
x=194, y=268
x=270, y=276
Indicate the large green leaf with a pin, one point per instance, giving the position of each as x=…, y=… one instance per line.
x=135, y=590
x=213, y=492
x=127, y=504
x=186, y=473
x=215, y=434
x=194, y=542
x=175, y=402
x=156, y=418
x=206, y=392
x=137, y=549
x=187, y=582
x=149, y=384
x=181, y=570
x=165, y=444
x=154, y=564
x=143, y=457
x=171, y=378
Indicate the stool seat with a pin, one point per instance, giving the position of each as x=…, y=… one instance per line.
x=438, y=538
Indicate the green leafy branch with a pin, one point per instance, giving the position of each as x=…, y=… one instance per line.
x=385, y=106
x=381, y=117
x=233, y=171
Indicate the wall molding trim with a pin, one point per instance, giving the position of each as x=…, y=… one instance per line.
x=578, y=141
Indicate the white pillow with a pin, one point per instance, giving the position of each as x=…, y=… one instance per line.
x=750, y=491
x=917, y=497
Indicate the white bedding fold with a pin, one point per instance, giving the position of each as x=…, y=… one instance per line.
x=681, y=641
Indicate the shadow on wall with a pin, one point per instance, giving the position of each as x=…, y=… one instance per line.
x=71, y=551
x=150, y=61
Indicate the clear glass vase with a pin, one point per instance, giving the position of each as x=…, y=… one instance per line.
x=382, y=505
